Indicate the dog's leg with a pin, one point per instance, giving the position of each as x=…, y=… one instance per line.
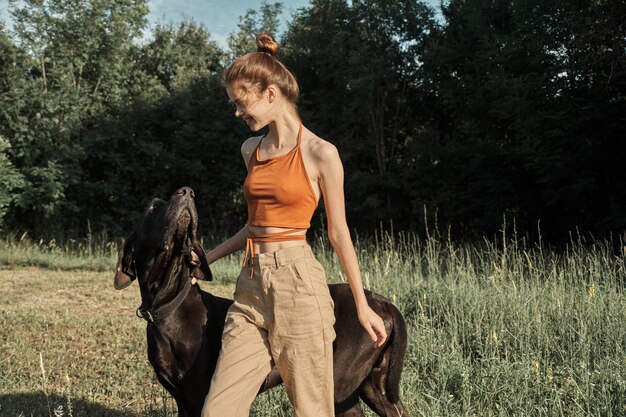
x=181, y=408
x=354, y=411
x=374, y=395
x=379, y=403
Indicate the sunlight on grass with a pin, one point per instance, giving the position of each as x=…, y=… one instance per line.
x=500, y=328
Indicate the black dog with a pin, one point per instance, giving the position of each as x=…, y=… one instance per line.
x=185, y=323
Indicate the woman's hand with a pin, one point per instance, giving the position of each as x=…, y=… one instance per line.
x=373, y=325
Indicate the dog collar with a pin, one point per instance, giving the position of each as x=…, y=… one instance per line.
x=152, y=315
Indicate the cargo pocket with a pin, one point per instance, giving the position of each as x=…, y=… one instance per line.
x=302, y=282
x=296, y=311
x=319, y=287
x=240, y=290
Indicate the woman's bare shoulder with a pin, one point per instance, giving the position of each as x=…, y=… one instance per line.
x=248, y=146
x=321, y=149
x=251, y=143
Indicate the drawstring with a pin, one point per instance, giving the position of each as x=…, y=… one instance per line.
x=249, y=252
x=266, y=238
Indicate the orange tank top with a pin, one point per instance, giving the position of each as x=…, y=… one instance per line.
x=279, y=194
x=278, y=191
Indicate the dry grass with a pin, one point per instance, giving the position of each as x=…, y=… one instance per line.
x=71, y=345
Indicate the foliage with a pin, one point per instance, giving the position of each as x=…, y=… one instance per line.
x=524, y=119
x=166, y=136
x=265, y=20
x=10, y=180
x=71, y=66
x=494, y=109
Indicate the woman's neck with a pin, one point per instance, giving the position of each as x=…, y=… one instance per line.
x=284, y=131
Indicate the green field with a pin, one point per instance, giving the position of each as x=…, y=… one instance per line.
x=494, y=329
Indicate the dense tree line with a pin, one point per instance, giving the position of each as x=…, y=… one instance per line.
x=482, y=111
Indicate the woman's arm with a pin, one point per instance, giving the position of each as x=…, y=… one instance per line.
x=236, y=242
x=331, y=184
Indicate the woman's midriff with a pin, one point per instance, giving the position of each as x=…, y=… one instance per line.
x=263, y=247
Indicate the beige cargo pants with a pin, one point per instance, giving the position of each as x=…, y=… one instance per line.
x=283, y=316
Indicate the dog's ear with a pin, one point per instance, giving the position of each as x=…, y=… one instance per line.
x=201, y=271
x=125, y=271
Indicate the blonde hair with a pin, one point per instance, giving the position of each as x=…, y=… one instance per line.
x=257, y=70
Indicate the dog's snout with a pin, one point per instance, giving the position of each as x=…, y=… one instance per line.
x=186, y=191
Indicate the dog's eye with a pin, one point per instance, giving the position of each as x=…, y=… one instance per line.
x=153, y=204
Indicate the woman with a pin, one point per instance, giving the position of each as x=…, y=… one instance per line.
x=283, y=312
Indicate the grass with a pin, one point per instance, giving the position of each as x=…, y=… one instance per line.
x=91, y=253
x=500, y=328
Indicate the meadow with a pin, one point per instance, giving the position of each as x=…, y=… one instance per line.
x=498, y=328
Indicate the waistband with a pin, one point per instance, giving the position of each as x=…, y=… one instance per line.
x=268, y=237
x=283, y=257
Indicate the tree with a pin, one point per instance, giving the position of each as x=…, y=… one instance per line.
x=510, y=98
x=11, y=181
x=73, y=64
x=266, y=20
x=175, y=130
x=177, y=56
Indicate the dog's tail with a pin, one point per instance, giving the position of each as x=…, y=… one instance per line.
x=397, y=349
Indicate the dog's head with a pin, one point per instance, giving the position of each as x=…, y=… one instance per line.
x=163, y=241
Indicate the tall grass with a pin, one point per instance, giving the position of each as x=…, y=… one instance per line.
x=498, y=328
x=91, y=253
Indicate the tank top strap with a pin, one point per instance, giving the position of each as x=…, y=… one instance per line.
x=299, y=135
x=255, y=154
x=258, y=145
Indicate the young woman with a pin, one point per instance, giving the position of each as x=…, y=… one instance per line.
x=283, y=312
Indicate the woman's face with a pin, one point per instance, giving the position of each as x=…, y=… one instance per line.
x=252, y=107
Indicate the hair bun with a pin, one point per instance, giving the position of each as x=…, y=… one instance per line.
x=266, y=43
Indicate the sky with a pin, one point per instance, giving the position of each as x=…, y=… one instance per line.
x=219, y=16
